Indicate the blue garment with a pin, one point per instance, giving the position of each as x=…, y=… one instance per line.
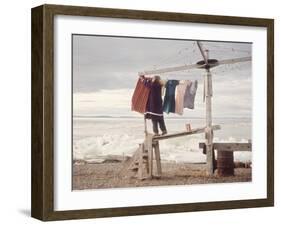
x=169, y=99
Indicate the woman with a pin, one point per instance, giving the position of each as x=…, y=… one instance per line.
x=154, y=108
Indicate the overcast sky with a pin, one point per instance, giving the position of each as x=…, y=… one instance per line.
x=105, y=71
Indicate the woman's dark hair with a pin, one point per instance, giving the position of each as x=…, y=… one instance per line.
x=157, y=78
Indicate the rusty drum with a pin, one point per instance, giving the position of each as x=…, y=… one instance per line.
x=225, y=163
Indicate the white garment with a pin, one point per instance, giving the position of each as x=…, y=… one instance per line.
x=180, y=93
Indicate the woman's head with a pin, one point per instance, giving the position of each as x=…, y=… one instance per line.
x=156, y=78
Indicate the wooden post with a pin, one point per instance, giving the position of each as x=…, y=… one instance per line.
x=208, y=96
x=158, y=159
x=209, y=131
x=150, y=154
x=145, y=125
x=140, y=169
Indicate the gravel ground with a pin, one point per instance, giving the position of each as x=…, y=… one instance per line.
x=107, y=175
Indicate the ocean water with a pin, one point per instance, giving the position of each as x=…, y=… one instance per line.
x=97, y=137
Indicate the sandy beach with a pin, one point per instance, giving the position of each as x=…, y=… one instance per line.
x=106, y=175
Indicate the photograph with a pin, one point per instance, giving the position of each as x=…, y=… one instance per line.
x=138, y=112
x=159, y=112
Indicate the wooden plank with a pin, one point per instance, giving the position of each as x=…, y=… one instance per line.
x=185, y=133
x=230, y=146
x=235, y=60
x=234, y=147
x=158, y=159
x=193, y=66
x=140, y=160
x=169, y=69
x=148, y=142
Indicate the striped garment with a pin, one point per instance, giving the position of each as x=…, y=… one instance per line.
x=140, y=97
x=180, y=92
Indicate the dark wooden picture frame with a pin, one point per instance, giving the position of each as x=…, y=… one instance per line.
x=42, y=203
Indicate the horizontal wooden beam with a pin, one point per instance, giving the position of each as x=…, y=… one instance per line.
x=193, y=66
x=230, y=146
x=235, y=60
x=169, y=69
x=185, y=133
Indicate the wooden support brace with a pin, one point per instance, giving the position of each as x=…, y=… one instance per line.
x=185, y=133
x=140, y=160
x=158, y=159
x=148, y=142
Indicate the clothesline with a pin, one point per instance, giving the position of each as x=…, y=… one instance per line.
x=164, y=80
x=205, y=85
x=177, y=76
x=178, y=95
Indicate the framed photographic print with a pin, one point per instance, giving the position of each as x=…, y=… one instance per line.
x=142, y=112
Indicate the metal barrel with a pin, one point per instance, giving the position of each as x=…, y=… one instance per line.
x=225, y=163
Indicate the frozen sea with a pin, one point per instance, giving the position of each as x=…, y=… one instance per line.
x=94, y=137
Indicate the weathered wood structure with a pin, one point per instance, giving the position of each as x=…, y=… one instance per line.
x=206, y=64
x=230, y=146
x=225, y=156
x=143, y=159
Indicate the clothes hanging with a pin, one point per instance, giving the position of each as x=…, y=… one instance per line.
x=154, y=108
x=180, y=93
x=140, y=97
x=189, y=95
x=169, y=99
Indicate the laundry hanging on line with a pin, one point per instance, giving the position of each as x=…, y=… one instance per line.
x=154, y=106
x=140, y=97
x=189, y=95
x=147, y=98
x=181, y=95
x=169, y=99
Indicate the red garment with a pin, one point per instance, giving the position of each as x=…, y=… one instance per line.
x=140, y=97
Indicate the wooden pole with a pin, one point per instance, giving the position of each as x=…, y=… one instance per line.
x=150, y=155
x=158, y=159
x=145, y=125
x=140, y=169
x=208, y=98
x=209, y=130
